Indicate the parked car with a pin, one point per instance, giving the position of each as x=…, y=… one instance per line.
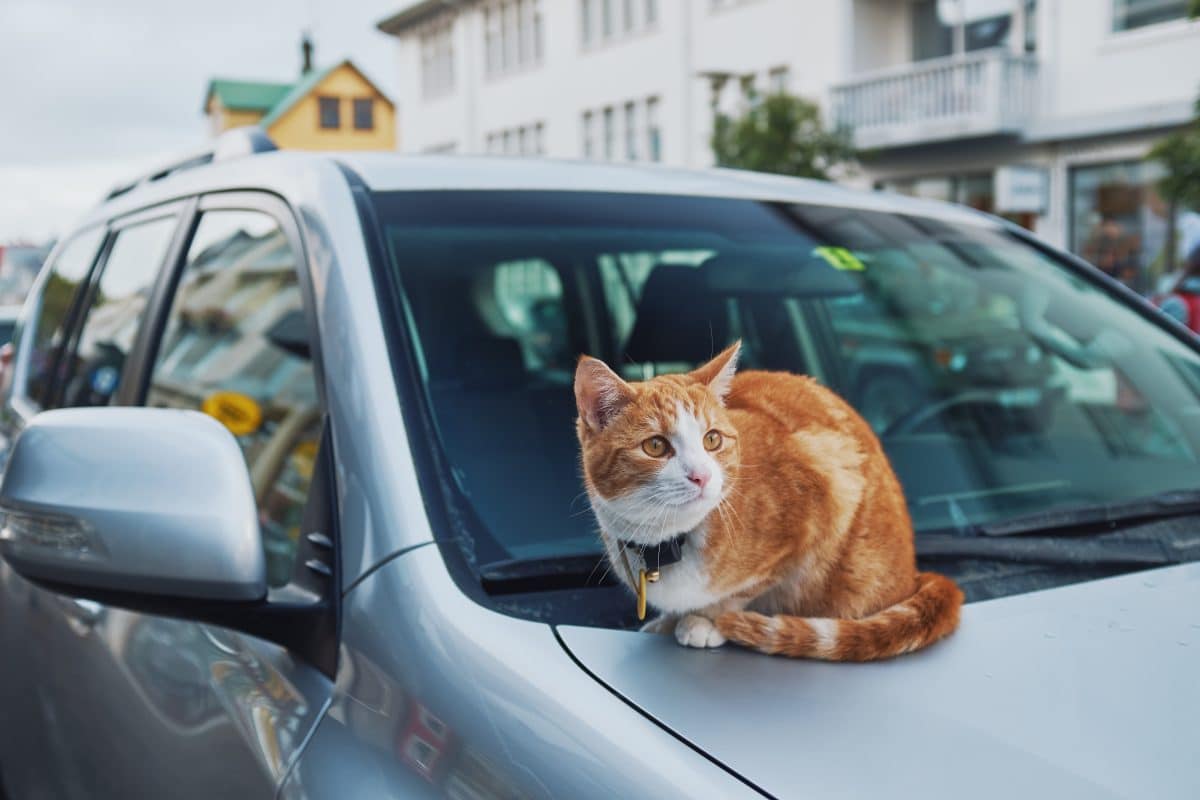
x=1181, y=298
x=292, y=506
x=8, y=322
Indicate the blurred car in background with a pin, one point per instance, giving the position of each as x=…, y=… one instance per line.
x=1182, y=303
x=8, y=322
x=19, y=265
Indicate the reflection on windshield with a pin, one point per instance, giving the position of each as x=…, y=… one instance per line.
x=1001, y=383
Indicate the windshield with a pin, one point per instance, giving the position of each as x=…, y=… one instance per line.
x=1002, y=383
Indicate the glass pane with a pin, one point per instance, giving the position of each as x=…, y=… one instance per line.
x=236, y=347
x=68, y=272
x=1119, y=222
x=1001, y=382
x=118, y=305
x=1129, y=14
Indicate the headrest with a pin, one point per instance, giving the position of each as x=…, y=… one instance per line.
x=678, y=319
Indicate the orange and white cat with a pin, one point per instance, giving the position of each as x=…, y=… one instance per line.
x=796, y=538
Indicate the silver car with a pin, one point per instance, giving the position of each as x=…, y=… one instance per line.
x=292, y=506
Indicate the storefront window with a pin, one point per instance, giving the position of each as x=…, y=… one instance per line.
x=1119, y=223
x=974, y=189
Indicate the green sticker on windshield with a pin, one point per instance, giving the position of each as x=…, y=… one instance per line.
x=840, y=258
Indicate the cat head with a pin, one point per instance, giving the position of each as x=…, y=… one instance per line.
x=658, y=455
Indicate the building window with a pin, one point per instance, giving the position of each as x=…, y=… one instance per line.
x=777, y=80
x=364, y=114
x=602, y=21
x=610, y=133
x=512, y=35
x=653, y=131
x=329, y=113
x=933, y=27
x=1130, y=14
x=537, y=31
x=437, y=59
x=589, y=135
x=1119, y=223
x=585, y=20
x=523, y=140
x=631, y=131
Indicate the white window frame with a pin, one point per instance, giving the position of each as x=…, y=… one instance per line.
x=654, y=148
x=588, y=125
x=630, y=130
x=609, y=132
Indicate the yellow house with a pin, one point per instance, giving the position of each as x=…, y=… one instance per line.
x=337, y=108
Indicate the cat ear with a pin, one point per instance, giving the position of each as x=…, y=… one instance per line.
x=718, y=373
x=600, y=394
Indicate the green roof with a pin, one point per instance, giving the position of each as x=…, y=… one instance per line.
x=273, y=99
x=247, y=95
x=295, y=93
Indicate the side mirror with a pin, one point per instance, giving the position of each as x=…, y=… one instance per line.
x=142, y=501
x=153, y=510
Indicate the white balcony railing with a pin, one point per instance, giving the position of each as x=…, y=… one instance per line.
x=977, y=94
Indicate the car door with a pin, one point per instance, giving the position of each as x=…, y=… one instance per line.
x=30, y=620
x=151, y=706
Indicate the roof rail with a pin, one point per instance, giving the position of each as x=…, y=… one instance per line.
x=233, y=143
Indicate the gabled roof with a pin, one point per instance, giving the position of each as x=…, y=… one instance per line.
x=306, y=84
x=246, y=95
x=296, y=93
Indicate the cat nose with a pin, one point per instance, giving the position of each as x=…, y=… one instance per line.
x=699, y=477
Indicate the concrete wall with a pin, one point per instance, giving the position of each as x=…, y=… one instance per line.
x=665, y=60
x=1087, y=70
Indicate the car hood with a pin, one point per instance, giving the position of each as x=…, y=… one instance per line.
x=1091, y=690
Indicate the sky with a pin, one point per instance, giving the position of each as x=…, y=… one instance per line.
x=95, y=92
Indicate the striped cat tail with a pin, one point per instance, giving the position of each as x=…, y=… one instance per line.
x=926, y=616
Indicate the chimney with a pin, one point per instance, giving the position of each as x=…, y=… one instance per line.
x=306, y=50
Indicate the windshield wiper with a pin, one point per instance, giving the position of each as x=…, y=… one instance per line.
x=1101, y=516
x=519, y=575
x=1133, y=553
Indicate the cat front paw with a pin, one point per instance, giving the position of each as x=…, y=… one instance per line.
x=697, y=631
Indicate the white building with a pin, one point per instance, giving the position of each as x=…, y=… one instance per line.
x=1043, y=109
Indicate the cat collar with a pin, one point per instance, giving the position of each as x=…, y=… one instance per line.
x=654, y=558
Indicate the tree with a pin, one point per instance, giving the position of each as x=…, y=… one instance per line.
x=782, y=134
x=1179, y=154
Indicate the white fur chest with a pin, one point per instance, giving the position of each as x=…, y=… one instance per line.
x=681, y=587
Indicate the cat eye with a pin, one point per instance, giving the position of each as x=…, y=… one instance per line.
x=656, y=446
x=712, y=440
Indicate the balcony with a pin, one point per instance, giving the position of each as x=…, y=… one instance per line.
x=987, y=93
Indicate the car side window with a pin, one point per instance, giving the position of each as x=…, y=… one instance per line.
x=236, y=347
x=117, y=305
x=49, y=327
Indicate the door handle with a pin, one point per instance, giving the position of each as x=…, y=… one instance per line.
x=85, y=612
